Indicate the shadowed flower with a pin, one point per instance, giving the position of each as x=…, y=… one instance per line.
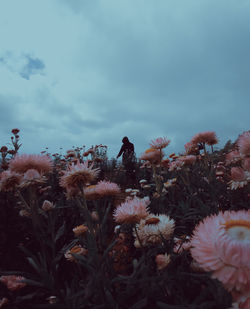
x=162, y=261
x=159, y=143
x=15, y=131
x=132, y=210
x=238, y=177
x=106, y=188
x=47, y=206
x=246, y=164
x=152, y=155
x=244, y=144
x=9, y=180
x=221, y=244
x=78, y=175
x=233, y=157
x=13, y=282
x=191, y=148
x=22, y=163
x=77, y=249
x=31, y=177
x=188, y=160
x=153, y=229
x=90, y=192
x=207, y=137
x=80, y=230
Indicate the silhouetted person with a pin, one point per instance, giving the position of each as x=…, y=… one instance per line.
x=128, y=159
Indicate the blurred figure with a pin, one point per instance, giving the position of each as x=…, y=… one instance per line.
x=128, y=159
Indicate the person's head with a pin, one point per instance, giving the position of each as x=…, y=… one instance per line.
x=125, y=140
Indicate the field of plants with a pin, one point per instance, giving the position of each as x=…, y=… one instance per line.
x=80, y=231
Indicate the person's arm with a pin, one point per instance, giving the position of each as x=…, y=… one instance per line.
x=120, y=153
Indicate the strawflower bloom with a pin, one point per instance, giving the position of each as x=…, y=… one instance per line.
x=132, y=210
x=47, y=205
x=77, y=249
x=90, y=192
x=188, y=160
x=160, y=143
x=233, y=157
x=22, y=163
x=13, y=282
x=31, y=177
x=106, y=188
x=80, y=230
x=162, y=261
x=221, y=245
x=244, y=144
x=207, y=137
x=191, y=148
x=239, y=179
x=153, y=229
x=78, y=175
x=152, y=155
x=9, y=180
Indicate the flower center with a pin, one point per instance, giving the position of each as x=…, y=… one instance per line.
x=152, y=221
x=238, y=229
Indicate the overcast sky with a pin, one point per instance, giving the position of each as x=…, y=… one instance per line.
x=85, y=72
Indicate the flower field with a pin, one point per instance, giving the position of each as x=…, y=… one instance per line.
x=79, y=231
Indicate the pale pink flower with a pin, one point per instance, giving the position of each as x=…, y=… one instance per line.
x=31, y=177
x=106, y=188
x=221, y=245
x=13, y=282
x=175, y=165
x=9, y=180
x=152, y=230
x=47, y=205
x=238, y=177
x=188, y=160
x=244, y=144
x=191, y=148
x=162, y=261
x=207, y=137
x=132, y=210
x=246, y=164
x=152, y=155
x=78, y=175
x=233, y=157
x=159, y=143
x=22, y=163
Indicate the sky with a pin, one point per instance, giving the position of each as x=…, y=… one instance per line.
x=89, y=72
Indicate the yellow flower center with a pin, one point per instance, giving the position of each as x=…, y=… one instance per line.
x=149, y=150
x=238, y=229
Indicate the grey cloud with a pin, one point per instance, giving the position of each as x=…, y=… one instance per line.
x=33, y=66
x=25, y=65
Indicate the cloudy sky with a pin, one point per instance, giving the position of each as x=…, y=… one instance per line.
x=85, y=72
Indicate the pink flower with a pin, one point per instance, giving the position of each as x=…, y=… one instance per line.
x=244, y=144
x=246, y=164
x=233, y=157
x=208, y=137
x=132, y=211
x=22, y=163
x=237, y=174
x=162, y=261
x=47, y=205
x=78, y=175
x=159, y=143
x=188, y=160
x=9, y=180
x=13, y=282
x=105, y=188
x=221, y=244
x=191, y=148
x=152, y=155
